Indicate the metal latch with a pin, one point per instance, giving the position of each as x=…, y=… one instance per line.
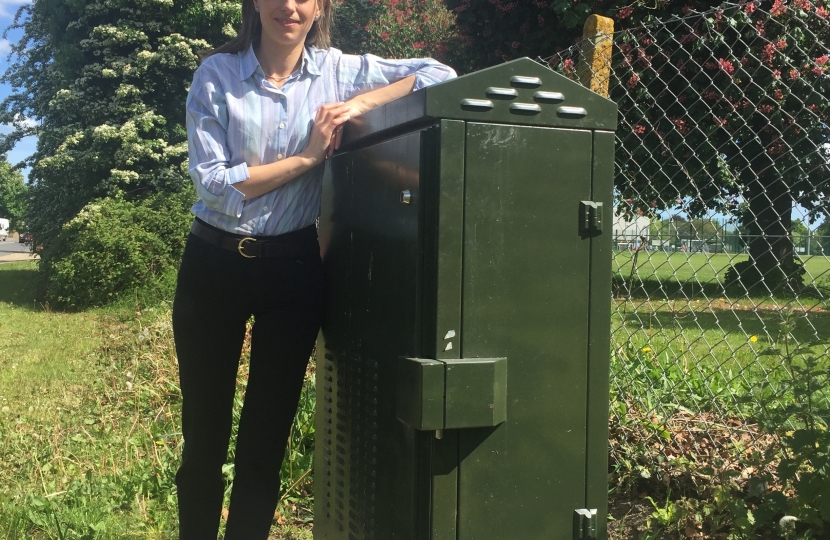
x=585, y=523
x=590, y=218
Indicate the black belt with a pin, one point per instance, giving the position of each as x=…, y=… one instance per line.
x=292, y=245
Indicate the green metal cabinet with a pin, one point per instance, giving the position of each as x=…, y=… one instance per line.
x=462, y=370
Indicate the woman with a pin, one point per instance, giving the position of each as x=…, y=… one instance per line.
x=263, y=113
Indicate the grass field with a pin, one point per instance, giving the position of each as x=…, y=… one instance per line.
x=89, y=402
x=89, y=434
x=680, y=313
x=700, y=268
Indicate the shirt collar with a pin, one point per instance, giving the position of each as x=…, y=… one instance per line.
x=248, y=63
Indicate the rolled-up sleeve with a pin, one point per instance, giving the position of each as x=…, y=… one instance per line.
x=209, y=158
x=356, y=75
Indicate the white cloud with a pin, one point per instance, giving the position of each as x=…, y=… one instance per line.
x=5, y=129
x=8, y=7
x=5, y=47
x=24, y=121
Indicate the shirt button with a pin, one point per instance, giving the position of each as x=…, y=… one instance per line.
x=282, y=126
x=264, y=208
x=279, y=156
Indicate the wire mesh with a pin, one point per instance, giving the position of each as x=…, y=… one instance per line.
x=721, y=231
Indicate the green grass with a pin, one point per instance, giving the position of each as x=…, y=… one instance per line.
x=89, y=422
x=89, y=402
x=680, y=312
x=699, y=268
x=40, y=352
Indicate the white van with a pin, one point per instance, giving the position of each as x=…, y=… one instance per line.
x=4, y=229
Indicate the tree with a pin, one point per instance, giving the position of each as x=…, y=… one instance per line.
x=12, y=194
x=822, y=236
x=396, y=29
x=725, y=111
x=495, y=31
x=350, y=32
x=107, y=80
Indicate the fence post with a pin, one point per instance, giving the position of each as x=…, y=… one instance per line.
x=595, y=67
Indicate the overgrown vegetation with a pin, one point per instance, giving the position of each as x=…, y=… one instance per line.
x=712, y=464
x=12, y=194
x=106, y=81
x=113, y=247
x=89, y=423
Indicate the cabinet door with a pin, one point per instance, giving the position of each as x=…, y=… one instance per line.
x=368, y=463
x=526, y=298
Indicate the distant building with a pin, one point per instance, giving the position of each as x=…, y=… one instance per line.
x=630, y=233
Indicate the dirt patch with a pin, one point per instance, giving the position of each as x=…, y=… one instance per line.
x=628, y=518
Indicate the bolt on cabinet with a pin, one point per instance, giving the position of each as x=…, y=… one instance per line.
x=462, y=369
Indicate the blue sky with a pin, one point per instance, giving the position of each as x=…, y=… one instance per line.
x=26, y=147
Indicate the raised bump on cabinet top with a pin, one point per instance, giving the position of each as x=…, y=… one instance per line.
x=470, y=104
x=549, y=97
x=571, y=112
x=526, y=82
x=526, y=109
x=501, y=93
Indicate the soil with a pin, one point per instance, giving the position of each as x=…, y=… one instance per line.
x=628, y=519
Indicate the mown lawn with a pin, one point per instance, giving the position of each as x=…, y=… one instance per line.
x=702, y=268
x=676, y=309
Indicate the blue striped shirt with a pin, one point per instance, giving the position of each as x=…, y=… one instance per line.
x=236, y=118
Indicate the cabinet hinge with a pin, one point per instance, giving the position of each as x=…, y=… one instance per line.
x=590, y=218
x=585, y=523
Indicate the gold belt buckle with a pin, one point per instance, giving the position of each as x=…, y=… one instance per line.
x=241, y=247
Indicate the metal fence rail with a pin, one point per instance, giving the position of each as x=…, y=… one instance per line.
x=722, y=260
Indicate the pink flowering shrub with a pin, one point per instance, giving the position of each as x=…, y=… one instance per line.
x=410, y=29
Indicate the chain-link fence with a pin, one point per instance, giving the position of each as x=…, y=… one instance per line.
x=722, y=242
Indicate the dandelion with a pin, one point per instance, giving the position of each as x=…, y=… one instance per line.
x=753, y=339
x=646, y=349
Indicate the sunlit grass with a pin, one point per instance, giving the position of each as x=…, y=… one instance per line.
x=89, y=422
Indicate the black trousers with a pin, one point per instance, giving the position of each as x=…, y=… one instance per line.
x=217, y=291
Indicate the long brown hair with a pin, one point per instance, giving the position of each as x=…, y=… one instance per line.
x=251, y=32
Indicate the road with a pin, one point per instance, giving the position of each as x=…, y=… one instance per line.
x=12, y=250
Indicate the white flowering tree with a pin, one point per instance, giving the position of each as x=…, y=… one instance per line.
x=106, y=82
x=12, y=194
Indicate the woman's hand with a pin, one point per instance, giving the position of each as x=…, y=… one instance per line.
x=368, y=101
x=329, y=118
x=355, y=109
